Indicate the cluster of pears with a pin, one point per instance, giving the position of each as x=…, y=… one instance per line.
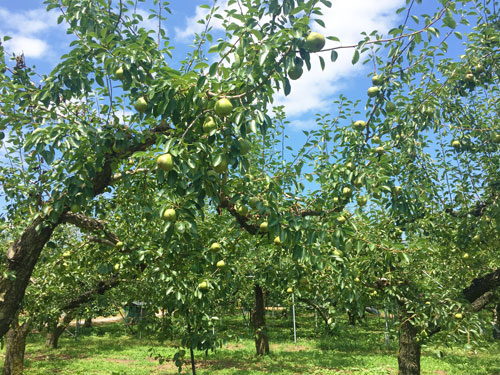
x=165, y=162
x=374, y=91
x=314, y=43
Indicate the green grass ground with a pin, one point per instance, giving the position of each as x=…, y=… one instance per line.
x=352, y=350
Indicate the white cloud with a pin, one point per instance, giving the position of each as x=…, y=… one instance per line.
x=25, y=29
x=194, y=27
x=29, y=22
x=345, y=20
x=31, y=47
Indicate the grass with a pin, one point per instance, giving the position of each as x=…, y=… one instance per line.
x=352, y=350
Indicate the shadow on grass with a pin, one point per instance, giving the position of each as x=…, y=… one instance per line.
x=244, y=362
x=105, y=344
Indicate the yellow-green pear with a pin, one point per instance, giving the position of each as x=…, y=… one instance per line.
x=315, y=42
x=165, y=162
x=141, y=105
x=223, y=107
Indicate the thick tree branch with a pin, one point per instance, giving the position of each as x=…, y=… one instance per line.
x=101, y=240
x=242, y=220
x=246, y=224
x=481, y=302
x=89, y=224
x=99, y=289
x=118, y=176
x=482, y=285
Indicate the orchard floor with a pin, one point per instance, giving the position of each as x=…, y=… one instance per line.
x=107, y=350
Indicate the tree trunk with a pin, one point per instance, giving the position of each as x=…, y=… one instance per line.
x=21, y=258
x=14, y=348
x=56, y=329
x=352, y=318
x=88, y=323
x=324, y=315
x=409, y=348
x=258, y=319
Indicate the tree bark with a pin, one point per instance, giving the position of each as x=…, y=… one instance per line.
x=88, y=323
x=22, y=256
x=15, y=347
x=56, y=329
x=481, y=285
x=409, y=348
x=481, y=302
x=258, y=318
x=191, y=352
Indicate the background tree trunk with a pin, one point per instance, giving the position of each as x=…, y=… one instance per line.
x=352, y=318
x=88, y=323
x=15, y=347
x=324, y=314
x=56, y=329
x=258, y=318
x=409, y=348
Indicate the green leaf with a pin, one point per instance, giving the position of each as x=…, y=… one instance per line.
x=201, y=82
x=334, y=55
x=355, y=58
x=253, y=126
x=320, y=22
x=213, y=69
x=449, y=20
x=263, y=54
x=322, y=63
x=287, y=87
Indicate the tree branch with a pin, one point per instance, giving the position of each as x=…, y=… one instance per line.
x=99, y=289
x=482, y=285
x=89, y=224
x=481, y=302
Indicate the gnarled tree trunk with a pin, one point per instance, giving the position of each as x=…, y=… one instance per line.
x=21, y=258
x=56, y=329
x=409, y=348
x=258, y=318
x=15, y=347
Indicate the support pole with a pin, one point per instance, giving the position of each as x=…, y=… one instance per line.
x=386, y=328
x=293, y=317
x=193, y=366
